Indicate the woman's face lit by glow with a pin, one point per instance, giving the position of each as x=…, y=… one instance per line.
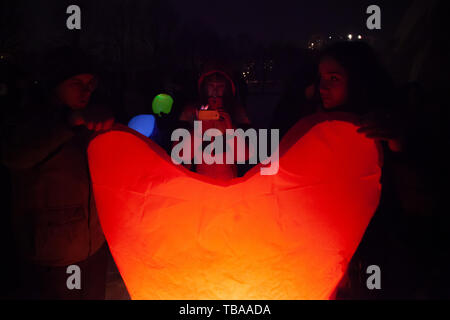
x=216, y=90
x=76, y=92
x=333, y=83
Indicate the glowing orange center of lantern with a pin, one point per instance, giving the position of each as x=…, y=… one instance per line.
x=177, y=235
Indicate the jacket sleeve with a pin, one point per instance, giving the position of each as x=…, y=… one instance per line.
x=30, y=140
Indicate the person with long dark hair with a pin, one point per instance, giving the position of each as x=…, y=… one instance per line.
x=352, y=79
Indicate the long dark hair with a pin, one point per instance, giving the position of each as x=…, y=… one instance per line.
x=370, y=86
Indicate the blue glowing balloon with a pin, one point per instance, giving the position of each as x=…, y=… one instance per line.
x=145, y=124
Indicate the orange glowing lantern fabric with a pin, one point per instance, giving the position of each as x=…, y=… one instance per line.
x=177, y=235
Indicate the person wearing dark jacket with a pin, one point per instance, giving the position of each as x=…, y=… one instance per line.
x=55, y=221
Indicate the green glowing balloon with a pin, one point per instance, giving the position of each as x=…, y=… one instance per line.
x=162, y=104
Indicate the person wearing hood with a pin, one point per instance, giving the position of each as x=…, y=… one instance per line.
x=217, y=92
x=55, y=221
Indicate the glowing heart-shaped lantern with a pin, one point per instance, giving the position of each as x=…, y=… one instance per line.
x=177, y=235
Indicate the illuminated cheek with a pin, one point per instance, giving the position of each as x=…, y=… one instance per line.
x=85, y=95
x=341, y=95
x=75, y=99
x=337, y=96
x=211, y=91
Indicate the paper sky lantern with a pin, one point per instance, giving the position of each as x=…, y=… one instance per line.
x=162, y=103
x=177, y=235
x=145, y=124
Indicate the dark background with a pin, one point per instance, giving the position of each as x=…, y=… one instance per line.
x=146, y=47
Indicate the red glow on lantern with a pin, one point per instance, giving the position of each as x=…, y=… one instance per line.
x=177, y=235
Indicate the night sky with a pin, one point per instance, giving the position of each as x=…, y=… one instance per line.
x=38, y=25
x=286, y=20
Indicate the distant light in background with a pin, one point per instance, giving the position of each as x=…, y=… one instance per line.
x=248, y=72
x=350, y=37
x=359, y=37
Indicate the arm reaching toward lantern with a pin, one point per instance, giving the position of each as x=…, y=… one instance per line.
x=175, y=234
